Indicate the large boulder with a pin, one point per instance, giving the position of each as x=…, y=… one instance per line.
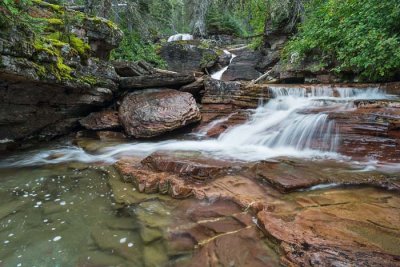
x=182, y=57
x=152, y=112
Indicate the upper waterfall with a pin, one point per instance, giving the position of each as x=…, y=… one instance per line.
x=180, y=37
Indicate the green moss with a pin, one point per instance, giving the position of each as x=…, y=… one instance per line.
x=55, y=21
x=98, y=20
x=91, y=80
x=41, y=46
x=52, y=47
x=40, y=70
x=79, y=45
x=52, y=7
x=207, y=58
x=63, y=72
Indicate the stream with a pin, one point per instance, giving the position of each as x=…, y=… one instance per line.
x=65, y=205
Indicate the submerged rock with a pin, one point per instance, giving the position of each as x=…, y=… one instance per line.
x=150, y=113
x=318, y=227
x=104, y=120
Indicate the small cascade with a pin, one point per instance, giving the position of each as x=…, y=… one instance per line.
x=218, y=75
x=203, y=132
x=290, y=124
x=180, y=37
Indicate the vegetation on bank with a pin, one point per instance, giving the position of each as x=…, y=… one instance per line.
x=47, y=29
x=357, y=36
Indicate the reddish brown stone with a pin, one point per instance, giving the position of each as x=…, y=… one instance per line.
x=188, y=164
x=150, y=113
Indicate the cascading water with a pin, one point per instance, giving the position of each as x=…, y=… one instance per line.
x=218, y=75
x=290, y=124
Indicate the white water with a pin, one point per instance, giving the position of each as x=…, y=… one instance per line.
x=218, y=75
x=275, y=129
x=203, y=132
x=180, y=37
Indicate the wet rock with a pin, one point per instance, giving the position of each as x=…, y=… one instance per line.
x=110, y=136
x=182, y=57
x=149, y=234
x=156, y=80
x=369, y=130
x=309, y=226
x=221, y=238
x=151, y=113
x=289, y=175
x=11, y=208
x=337, y=227
x=110, y=241
x=189, y=164
x=220, y=92
x=243, y=191
x=154, y=255
x=243, y=67
x=103, y=120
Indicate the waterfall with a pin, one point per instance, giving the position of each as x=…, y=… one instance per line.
x=290, y=124
x=218, y=75
x=180, y=37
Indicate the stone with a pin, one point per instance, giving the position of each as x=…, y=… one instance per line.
x=243, y=67
x=103, y=36
x=189, y=164
x=184, y=57
x=288, y=175
x=156, y=80
x=104, y=120
x=220, y=92
x=151, y=113
x=337, y=227
x=131, y=69
x=194, y=88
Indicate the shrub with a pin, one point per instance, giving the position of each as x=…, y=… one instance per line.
x=134, y=48
x=358, y=36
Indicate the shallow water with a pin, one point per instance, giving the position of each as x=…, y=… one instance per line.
x=66, y=215
x=77, y=214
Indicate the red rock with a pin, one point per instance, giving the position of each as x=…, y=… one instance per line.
x=150, y=113
x=188, y=164
x=337, y=227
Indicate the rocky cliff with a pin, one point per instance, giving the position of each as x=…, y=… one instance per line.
x=51, y=78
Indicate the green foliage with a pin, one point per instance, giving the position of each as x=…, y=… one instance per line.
x=359, y=36
x=15, y=13
x=223, y=23
x=134, y=48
